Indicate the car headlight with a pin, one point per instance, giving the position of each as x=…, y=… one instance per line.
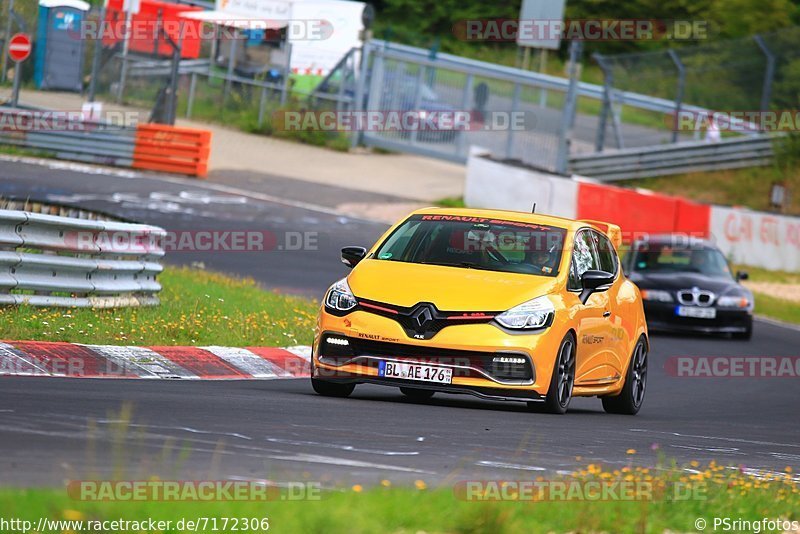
x=733, y=302
x=536, y=313
x=657, y=295
x=340, y=297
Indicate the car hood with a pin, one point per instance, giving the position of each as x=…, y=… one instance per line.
x=448, y=288
x=678, y=281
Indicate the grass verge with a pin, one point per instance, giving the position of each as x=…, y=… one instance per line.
x=664, y=499
x=775, y=308
x=451, y=202
x=197, y=308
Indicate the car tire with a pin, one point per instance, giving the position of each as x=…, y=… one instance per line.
x=332, y=389
x=559, y=394
x=417, y=394
x=630, y=399
x=747, y=334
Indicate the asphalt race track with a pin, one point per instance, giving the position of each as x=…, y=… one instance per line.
x=54, y=429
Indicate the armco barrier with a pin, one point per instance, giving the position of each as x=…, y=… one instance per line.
x=46, y=260
x=153, y=147
x=679, y=158
x=170, y=149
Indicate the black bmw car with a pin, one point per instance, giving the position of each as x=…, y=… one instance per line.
x=687, y=286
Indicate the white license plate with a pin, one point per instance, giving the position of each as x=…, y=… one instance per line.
x=413, y=371
x=698, y=313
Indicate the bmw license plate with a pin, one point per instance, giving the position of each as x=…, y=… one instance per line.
x=698, y=313
x=413, y=371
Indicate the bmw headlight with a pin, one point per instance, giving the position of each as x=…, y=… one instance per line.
x=656, y=295
x=536, y=313
x=340, y=297
x=733, y=302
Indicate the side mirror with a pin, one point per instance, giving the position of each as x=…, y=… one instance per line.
x=593, y=281
x=352, y=255
x=742, y=275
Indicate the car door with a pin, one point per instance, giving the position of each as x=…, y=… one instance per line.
x=618, y=338
x=592, y=364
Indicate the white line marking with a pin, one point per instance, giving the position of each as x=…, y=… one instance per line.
x=504, y=465
x=316, y=459
x=89, y=169
x=734, y=440
x=722, y=450
x=348, y=448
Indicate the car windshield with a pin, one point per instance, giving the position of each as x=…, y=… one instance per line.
x=668, y=258
x=476, y=243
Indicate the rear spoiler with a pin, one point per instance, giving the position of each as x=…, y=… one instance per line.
x=613, y=231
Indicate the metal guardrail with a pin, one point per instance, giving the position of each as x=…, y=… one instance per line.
x=47, y=260
x=163, y=67
x=678, y=158
x=91, y=142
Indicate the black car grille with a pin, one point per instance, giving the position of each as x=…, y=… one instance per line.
x=503, y=366
x=424, y=320
x=695, y=297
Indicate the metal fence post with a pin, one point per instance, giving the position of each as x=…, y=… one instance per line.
x=681, y=88
x=510, y=137
x=361, y=87
x=231, y=61
x=192, y=90
x=608, y=83
x=344, y=72
x=125, y=49
x=98, y=52
x=418, y=101
x=769, y=75
x=287, y=72
x=262, y=103
x=15, y=88
x=570, y=108
x=7, y=37
x=465, y=97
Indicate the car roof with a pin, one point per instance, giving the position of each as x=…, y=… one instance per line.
x=508, y=215
x=676, y=239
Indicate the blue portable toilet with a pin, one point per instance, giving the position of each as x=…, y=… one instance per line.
x=60, y=42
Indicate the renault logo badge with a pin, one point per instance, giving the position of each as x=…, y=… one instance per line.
x=423, y=317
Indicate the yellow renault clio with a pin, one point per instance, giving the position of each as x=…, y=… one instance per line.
x=501, y=305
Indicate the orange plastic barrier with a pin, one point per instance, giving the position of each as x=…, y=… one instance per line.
x=170, y=149
x=638, y=212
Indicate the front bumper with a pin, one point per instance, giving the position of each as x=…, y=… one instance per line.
x=663, y=317
x=485, y=360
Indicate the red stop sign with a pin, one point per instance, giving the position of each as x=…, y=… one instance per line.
x=19, y=47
